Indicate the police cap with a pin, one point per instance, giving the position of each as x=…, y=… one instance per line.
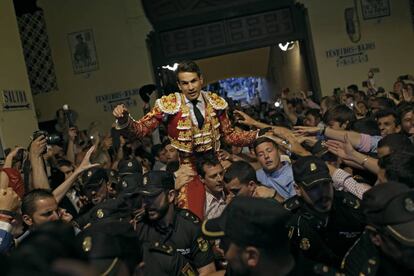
x=390, y=207
x=309, y=171
x=129, y=166
x=154, y=182
x=93, y=179
x=129, y=183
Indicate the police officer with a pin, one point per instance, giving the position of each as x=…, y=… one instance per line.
x=387, y=245
x=96, y=187
x=111, y=209
x=129, y=175
x=255, y=233
x=325, y=223
x=113, y=247
x=176, y=228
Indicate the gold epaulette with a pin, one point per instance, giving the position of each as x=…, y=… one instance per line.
x=216, y=101
x=169, y=104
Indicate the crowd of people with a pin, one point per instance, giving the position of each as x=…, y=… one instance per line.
x=203, y=186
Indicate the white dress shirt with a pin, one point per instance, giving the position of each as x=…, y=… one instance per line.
x=201, y=106
x=214, y=206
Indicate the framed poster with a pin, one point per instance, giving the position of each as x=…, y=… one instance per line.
x=375, y=8
x=83, y=51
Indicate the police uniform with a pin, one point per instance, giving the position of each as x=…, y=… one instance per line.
x=389, y=209
x=111, y=209
x=92, y=181
x=183, y=234
x=249, y=221
x=108, y=243
x=162, y=259
x=321, y=237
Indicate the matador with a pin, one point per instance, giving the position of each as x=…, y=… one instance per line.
x=196, y=120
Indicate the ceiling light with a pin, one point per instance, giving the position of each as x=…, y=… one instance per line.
x=287, y=46
x=172, y=68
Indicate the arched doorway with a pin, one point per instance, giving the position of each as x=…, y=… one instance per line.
x=208, y=30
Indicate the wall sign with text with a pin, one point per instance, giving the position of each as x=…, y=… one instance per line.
x=110, y=101
x=350, y=55
x=15, y=100
x=375, y=8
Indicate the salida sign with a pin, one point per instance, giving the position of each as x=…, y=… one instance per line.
x=15, y=100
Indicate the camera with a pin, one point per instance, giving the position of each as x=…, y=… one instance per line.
x=52, y=139
x=403, y=77
x=68, y=115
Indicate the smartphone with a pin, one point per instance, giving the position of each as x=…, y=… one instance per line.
x=278, y=103
x=364, y=84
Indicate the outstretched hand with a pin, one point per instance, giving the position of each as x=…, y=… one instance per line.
x=183, y=175
x=306, y=130
x=72, y=133
x=344, y=150
x=13, y=153
x=86, y=164
x=290, y=143
x=243, y=118
x=38, y=146
x=119, y=111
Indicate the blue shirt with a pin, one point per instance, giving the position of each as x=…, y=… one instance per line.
x=280, y=180
x=6, y=238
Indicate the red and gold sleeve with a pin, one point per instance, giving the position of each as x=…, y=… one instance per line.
x=233, y=137
x=143, y=127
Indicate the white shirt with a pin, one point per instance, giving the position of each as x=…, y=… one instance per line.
x=214, y=206
x=201, y=105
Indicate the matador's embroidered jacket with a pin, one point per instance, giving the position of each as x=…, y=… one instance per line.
x=186, y=136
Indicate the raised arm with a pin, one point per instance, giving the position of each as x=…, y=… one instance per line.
x=70, y=152
x=232, y=136
x=62, y=189
x=39, y=176
x=347, y=152
x=245, y=119
x=339, y=135
x=136, y=129
x=8, y=163
x=9, y=204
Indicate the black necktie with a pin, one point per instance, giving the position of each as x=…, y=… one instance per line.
x=197, y=113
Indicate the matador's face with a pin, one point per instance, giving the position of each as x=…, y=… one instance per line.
x=190, y=83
